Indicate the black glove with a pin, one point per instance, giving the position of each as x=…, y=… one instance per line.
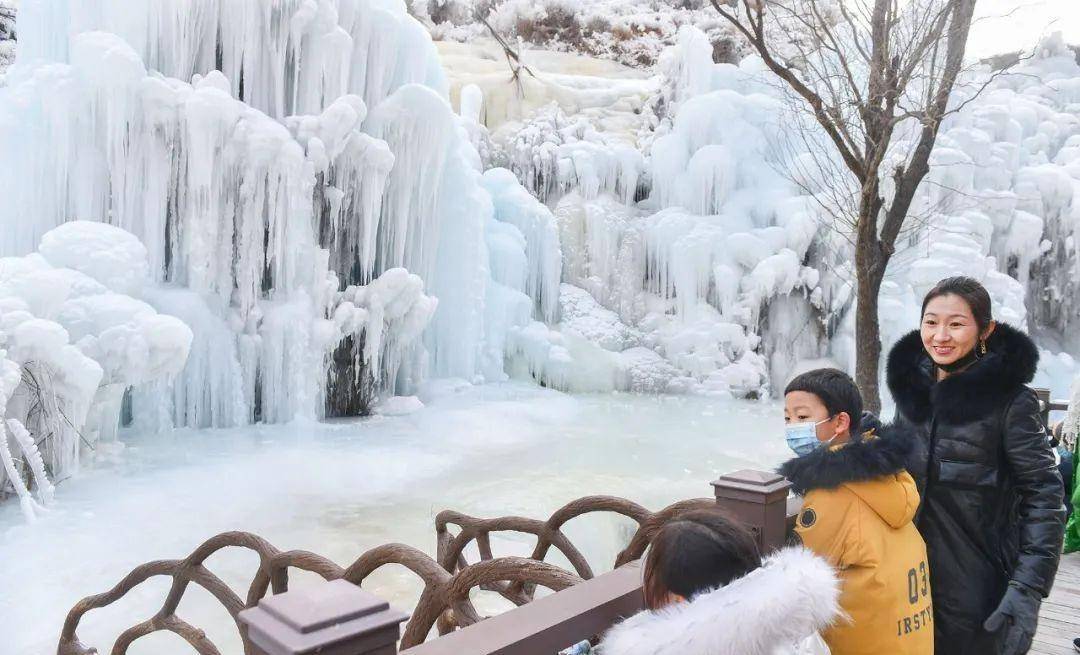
x=1018, y=612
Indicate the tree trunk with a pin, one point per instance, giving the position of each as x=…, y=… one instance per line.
x=870, y=264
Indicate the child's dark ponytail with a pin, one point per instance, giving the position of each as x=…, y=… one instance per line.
x=698, y=551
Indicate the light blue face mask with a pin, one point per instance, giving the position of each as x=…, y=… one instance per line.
x=802, y=437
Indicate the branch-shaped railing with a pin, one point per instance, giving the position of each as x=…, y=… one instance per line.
x=548, y=535
x=443, y=591
x=443, y=604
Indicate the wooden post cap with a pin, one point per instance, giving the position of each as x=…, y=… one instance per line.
x=331, y=618
x=753, y=486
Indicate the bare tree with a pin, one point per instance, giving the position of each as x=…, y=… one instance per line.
x=876, y=76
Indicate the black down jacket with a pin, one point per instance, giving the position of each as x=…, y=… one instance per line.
x=992, y=500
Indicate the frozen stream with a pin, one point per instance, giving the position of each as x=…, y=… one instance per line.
x=339, y=489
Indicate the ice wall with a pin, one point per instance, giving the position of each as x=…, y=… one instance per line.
x=309, y=203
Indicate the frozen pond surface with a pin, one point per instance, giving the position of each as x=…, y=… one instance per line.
x=340, y=488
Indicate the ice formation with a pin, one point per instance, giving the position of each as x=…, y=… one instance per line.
x=730, y=271
x=309, y=203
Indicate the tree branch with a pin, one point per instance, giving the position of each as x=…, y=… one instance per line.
x=852, y=159
x=909, y=177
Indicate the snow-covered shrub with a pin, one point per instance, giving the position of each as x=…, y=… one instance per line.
x=374, y=326
x=75, y=341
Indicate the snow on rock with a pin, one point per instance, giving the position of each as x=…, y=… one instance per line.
x=646, y=371
x=109, y=255
x=583, y=316
x=634, y=33
x=562, y=360
x=399, y=406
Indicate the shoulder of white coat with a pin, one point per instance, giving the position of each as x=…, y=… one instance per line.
x=794, y=594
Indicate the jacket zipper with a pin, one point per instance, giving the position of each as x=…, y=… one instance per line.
x=929, y=467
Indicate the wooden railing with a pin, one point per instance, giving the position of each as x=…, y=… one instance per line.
x=339, y=614
x=1046, y=405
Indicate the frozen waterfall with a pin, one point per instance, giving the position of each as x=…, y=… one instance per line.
x=305, y=203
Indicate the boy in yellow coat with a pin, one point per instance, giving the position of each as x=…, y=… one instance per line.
x=858, y=507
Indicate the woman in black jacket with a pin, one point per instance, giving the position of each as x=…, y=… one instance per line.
x=992, y=513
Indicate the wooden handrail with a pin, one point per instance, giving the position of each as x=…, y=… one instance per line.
x=336, y=615
x=551, y=623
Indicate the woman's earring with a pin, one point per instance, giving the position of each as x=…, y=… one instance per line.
x=982, y=347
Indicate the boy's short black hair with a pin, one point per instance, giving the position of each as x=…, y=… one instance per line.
x=835, y=389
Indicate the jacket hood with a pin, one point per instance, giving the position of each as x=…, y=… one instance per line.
x=1010, y=362
x=866, y=458
x=794, y=594
x=894, y=498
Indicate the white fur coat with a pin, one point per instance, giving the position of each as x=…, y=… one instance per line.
x=769, y=611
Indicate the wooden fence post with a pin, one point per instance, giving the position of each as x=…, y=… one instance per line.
x=331, y=618
x=759, y=499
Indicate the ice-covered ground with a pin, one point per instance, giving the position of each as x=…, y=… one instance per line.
x=340, y=488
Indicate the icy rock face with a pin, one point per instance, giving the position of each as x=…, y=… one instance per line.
x=74, y=341
x=582, y=315
x=321, y=167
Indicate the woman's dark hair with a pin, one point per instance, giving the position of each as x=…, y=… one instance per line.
x=699, y=550
x=971, y=291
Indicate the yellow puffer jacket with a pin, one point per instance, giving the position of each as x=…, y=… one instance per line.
x=858, y=507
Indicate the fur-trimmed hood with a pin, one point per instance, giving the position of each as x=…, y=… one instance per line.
x=865, y=458
x=793, y=595
x=992, y=381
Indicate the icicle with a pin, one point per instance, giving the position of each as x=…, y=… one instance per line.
x=29, y=506
x=33, y=456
